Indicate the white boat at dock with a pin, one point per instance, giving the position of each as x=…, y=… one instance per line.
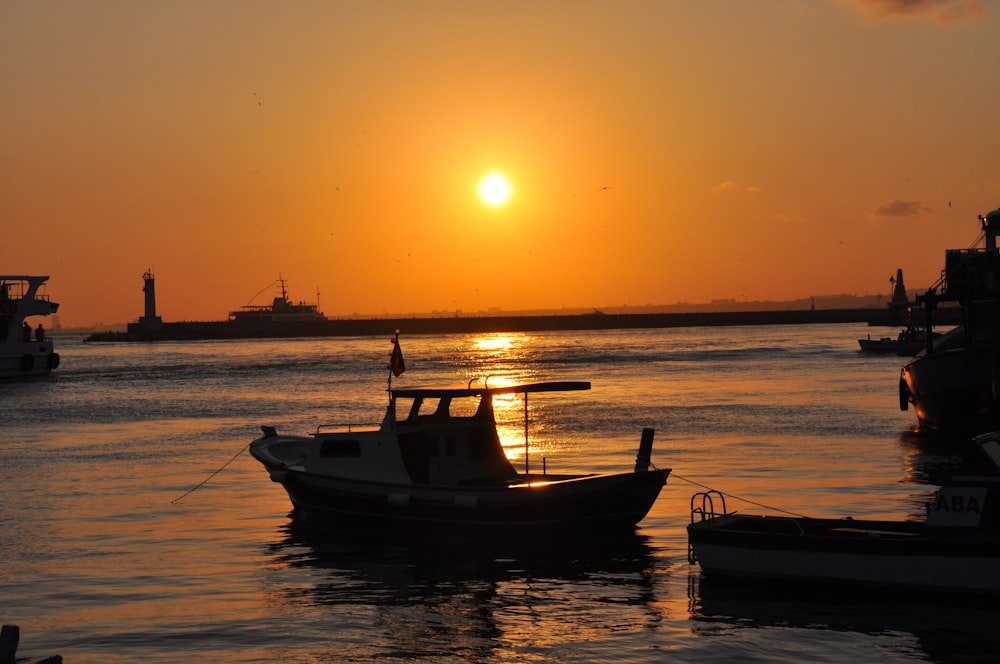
x=437, y=460
x=955, y=549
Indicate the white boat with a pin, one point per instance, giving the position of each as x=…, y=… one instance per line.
x=437, y=460
x=24, y=351
x=956, y=549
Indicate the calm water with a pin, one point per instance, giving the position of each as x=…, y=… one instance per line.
x=103, y=558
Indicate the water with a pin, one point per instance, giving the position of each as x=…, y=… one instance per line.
x=106, y=557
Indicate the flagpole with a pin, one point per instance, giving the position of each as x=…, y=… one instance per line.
x=395, y=364
x=388, y=388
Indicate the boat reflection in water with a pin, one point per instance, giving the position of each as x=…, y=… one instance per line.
x=404, y=597
x=907, y=627
x=931, y=458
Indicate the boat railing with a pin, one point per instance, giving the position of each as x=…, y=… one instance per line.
x=703, y=509
x=706, y=510
x=17, y=292
x=344, y=428
x=970, y=273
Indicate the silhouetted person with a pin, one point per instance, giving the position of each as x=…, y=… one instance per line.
x=26, y=331
x=40, y=333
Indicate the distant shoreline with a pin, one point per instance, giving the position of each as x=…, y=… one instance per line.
x=192, y=330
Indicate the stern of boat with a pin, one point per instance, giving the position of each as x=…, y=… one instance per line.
x=706, y=506
x=27, y=358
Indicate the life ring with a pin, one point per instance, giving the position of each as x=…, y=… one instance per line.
x=53, y=360
x=27, y=362
x=904, y=395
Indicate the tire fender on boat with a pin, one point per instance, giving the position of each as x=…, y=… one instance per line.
x=27, y=362
x=904, y=395
x=53, y=360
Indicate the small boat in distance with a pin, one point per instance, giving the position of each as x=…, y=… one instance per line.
x=911, y=340
x=437, y=460
x=24, y=351
x=281, y=310
x=956, y=549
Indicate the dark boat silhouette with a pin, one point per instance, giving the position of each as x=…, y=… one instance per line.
x=955, y=382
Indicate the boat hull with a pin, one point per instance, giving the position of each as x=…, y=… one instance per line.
x=875, y=553
x=598, y=501
x=891, y=346
x=955, y=389
x=27, y=359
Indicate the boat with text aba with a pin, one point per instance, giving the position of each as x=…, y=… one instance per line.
x=25, y=351
x=437, y=460
x=955, y=384
x=956, y=549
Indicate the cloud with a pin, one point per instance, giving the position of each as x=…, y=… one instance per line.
x=898, y=208
x=938, y=11
x=729, y=185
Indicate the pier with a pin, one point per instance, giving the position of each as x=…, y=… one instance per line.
x=359, y=327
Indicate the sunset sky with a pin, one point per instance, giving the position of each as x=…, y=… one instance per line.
x=656, y=152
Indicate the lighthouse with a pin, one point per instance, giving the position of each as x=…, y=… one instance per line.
x=150, y=320
x=899, y=291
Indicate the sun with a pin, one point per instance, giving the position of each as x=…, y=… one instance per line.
x=494, y=189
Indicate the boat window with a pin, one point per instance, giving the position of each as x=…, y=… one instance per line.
x=406, y=409
x=413, y=407
x=446, y=407
x=340, y=448
x=465, y=406
x=422, y=407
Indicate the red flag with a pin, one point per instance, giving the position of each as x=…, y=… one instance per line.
x=396, y=364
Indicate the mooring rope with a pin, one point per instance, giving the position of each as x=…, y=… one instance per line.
x=735, y=497
x=205, y=481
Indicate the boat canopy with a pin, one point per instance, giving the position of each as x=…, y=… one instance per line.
x=33, y=282
x=470, y=391
x=23, y=277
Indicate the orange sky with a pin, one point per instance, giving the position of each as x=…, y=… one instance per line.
x=658, y=151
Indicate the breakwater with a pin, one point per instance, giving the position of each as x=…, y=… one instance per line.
x=349, y=327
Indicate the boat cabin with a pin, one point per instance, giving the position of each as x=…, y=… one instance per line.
x=429, y=436
x=20, y=297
